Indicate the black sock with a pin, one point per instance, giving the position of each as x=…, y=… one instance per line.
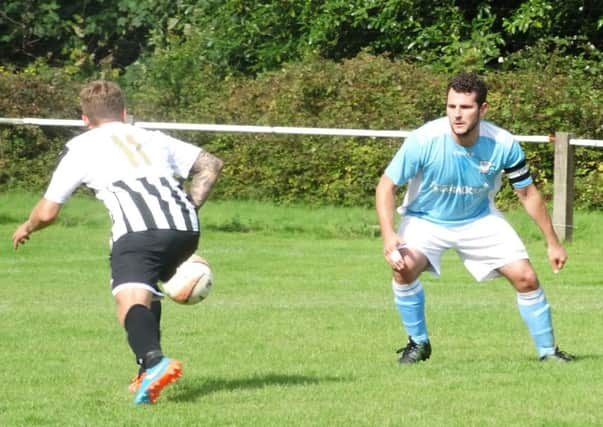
x=156, y=310
x=143, y=335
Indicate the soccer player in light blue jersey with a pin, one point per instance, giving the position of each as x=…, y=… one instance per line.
x=453, y=167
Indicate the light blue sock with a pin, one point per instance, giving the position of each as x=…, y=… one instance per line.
x=536, y=312
x=410, y=302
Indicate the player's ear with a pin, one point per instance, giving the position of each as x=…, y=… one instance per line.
x=124, y=115
x=86, y=120
x=482, y=109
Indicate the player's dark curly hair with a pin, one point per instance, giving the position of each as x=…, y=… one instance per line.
x=468, y=83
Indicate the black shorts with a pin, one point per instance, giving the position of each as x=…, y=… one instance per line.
x=146, y=257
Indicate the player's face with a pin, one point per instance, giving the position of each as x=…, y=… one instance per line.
x=464, y=114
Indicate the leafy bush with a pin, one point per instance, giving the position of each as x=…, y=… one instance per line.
x=364, y=92
x=27, y=153
x=371, y=92
x=82, y=35
x=250, y=37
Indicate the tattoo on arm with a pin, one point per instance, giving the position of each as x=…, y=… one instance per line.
x=204, y=174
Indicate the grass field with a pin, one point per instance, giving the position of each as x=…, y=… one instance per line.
x=300, y=330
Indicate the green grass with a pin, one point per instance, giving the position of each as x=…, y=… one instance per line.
x=300, y=329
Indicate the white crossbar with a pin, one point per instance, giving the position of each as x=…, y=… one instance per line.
x=274, y=130
x=587, y=142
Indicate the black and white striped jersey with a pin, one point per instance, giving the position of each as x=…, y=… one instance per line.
x=135, y=172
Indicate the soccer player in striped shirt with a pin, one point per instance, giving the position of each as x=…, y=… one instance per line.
x=453, y=167
x=137, y=174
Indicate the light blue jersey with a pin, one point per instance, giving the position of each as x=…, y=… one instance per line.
x=449, y=184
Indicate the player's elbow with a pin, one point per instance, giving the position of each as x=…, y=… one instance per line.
x=47, y=212
x=46, y=218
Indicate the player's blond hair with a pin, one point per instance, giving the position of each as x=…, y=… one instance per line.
x=102, y=100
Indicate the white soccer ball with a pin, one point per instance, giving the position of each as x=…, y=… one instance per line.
x=191, y=283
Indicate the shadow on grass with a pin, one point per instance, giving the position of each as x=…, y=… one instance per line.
x=191, y=389
x=10, y=219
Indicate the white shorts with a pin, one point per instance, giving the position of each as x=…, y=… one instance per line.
x=483, y=245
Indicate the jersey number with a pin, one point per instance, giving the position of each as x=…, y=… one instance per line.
x=132, y=150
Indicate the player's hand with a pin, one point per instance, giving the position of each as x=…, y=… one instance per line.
x=21, y=235
x=391, y=251
x=557, y=257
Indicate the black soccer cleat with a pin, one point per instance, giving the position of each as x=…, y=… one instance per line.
x=413, y=352
x=557, y=356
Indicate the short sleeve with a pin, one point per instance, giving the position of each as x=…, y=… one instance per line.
x=406, y=162
x=182, y=154
x=67, y=176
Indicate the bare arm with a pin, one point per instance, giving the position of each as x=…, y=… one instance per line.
x=534, y=205
x=43, y=214
x=385, y=200
x=204, y=174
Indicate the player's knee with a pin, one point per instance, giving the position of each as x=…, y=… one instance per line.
x=526, y=281
x=404, y=276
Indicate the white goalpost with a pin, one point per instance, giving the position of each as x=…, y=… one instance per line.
x=284, y=130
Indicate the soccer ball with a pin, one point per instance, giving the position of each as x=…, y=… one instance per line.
x=191, y=283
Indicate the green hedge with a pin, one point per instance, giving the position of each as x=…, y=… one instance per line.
x=28, y=153
x=364, y=92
